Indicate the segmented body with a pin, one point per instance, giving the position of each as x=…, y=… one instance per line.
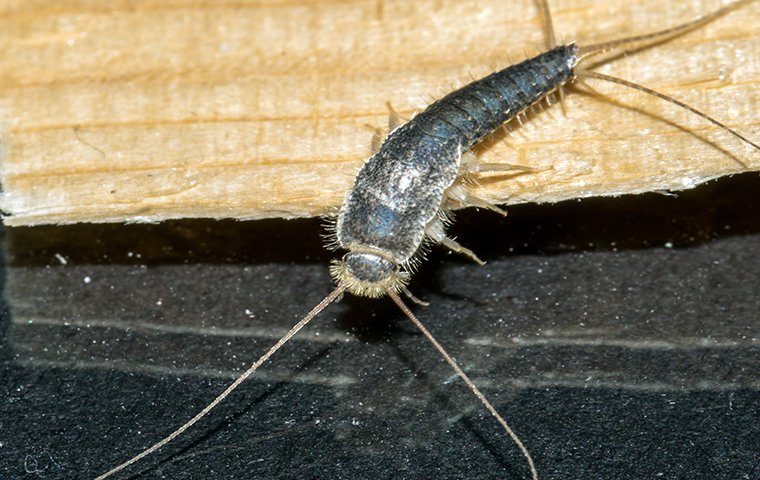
x=399, y=191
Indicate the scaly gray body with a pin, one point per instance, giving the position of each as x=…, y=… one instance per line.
x=400, y=190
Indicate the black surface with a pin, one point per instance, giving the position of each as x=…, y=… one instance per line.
x=613, y=354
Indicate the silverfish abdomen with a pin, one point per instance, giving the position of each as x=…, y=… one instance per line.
x=477, y=109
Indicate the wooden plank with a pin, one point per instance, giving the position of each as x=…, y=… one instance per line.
x=149, y=110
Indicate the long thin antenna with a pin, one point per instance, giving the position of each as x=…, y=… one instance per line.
x=636, y=86
x=242, y=378
x=659, y=35
x=394, y=296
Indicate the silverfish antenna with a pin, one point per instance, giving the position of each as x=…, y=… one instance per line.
x=242, y=378
x=475, y=390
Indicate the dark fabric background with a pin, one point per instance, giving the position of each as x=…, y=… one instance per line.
x=619, y=337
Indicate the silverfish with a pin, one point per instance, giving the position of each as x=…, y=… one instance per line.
x=402, y=194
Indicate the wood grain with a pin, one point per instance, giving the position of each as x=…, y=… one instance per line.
x=128, y=111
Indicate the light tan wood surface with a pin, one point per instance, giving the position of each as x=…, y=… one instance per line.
x=148, y=110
